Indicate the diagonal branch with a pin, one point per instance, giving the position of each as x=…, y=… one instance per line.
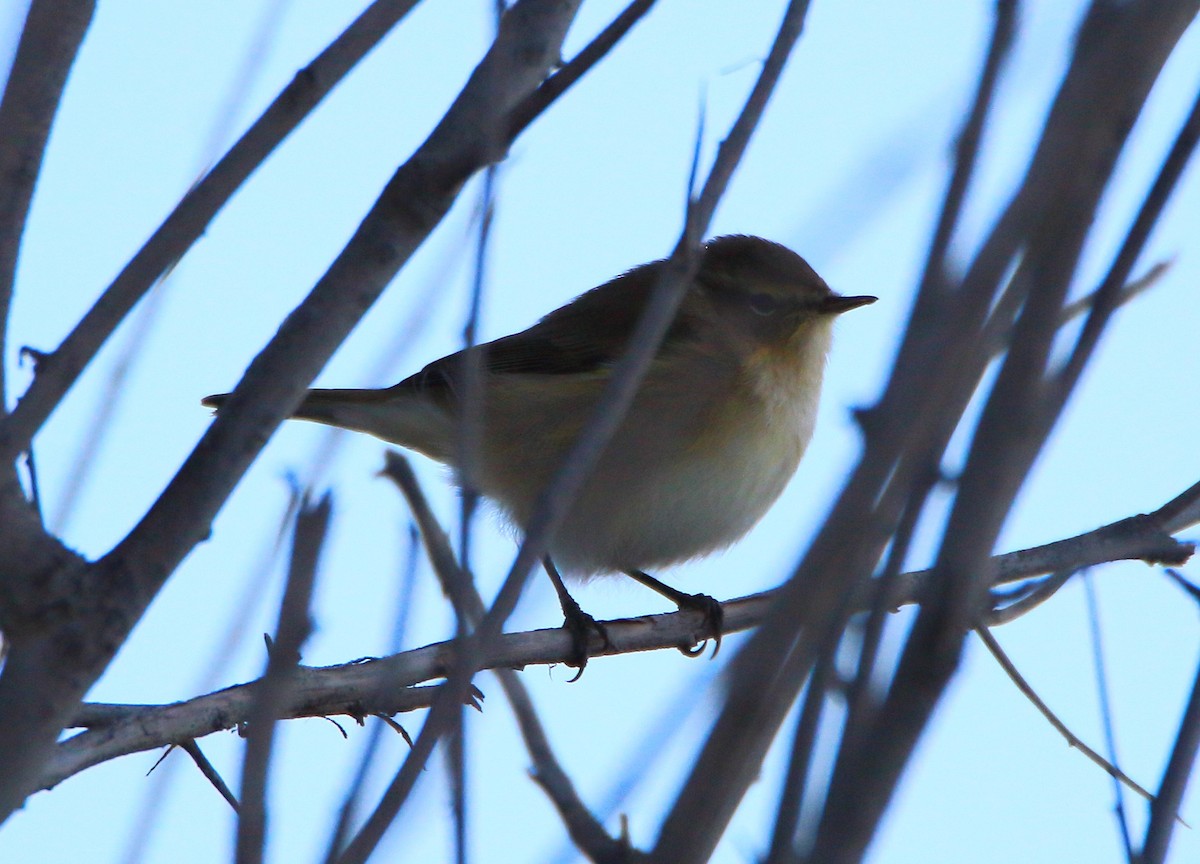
x=585, y=830
x=1029, y=693
x=1164, y=810
x=58, y=371
x=49, y=43
x=593, y=53
x=271, y=693
x=1106, y=85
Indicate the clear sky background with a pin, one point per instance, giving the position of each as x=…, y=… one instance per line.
x=847, y=168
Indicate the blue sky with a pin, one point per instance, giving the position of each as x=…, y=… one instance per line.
x=847, y=168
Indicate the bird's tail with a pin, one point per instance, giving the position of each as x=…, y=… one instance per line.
x=400, y=418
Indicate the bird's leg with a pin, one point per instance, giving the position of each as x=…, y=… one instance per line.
x=575, y=621
x=714, y=615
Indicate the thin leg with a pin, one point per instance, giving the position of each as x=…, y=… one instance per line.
x=575, y=621
x=714, y=615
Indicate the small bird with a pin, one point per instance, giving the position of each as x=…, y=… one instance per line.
x=715, y=431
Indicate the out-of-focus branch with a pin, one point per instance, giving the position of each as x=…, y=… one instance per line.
x=585, y=830
x=1106, y=84
x=108, y=402
x=50, y=40
x=271, y=693
x=58, y=371
x=1108, y=296
x=45, y=53
x=937, y=370
x=1164, y=810
x=966, y=152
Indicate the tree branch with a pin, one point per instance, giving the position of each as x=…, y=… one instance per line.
x=271, y=693
x=57, y=372
x=585, y=830
x=50, y=40
x=391, y=685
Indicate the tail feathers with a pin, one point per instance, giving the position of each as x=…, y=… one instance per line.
x=404, y=419
x=360, y=410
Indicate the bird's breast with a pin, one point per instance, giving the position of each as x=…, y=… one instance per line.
x=694, y=466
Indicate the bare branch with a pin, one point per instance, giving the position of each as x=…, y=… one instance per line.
x=389, y=686
x=593, y=53
x=1164, y=810
x=210, y=772
x=1030, y=598
x=271, y=693
x=1181, y=512
x=966, y=151
x=58, y=371
x=49, y=42
x=1108, y=295
x=795, y=783
x=1106, y=715
x=1085, y=128
x=1106, y=84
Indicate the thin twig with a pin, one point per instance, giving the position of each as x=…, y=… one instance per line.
x=859, y=712
x=111, y=395
x=1074, y=741
x=795, y=782
x=966, y=152
x=1130, y=291
x=1032, y=597
x=1106, y=712
x=353, y=795
x=1174, y=783
x=1181, y=512
x=1108, y=294
x=210, y=773
x=558, y=83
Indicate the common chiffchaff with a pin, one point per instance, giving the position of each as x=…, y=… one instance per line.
x=714, y=433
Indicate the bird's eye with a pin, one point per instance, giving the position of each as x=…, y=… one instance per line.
x=764, y=304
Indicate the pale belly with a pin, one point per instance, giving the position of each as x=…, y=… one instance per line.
x=693, y=476
x=663, y=518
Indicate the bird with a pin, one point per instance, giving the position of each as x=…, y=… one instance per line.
x=715, y=431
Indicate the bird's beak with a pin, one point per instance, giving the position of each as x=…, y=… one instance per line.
x=835, y=304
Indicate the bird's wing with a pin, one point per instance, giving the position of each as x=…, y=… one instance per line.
x=587, y=335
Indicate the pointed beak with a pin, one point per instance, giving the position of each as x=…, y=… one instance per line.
x=835, y=304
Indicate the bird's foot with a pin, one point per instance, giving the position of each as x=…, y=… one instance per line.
x=714, y=621
x=714, y=613
x=581, y=626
